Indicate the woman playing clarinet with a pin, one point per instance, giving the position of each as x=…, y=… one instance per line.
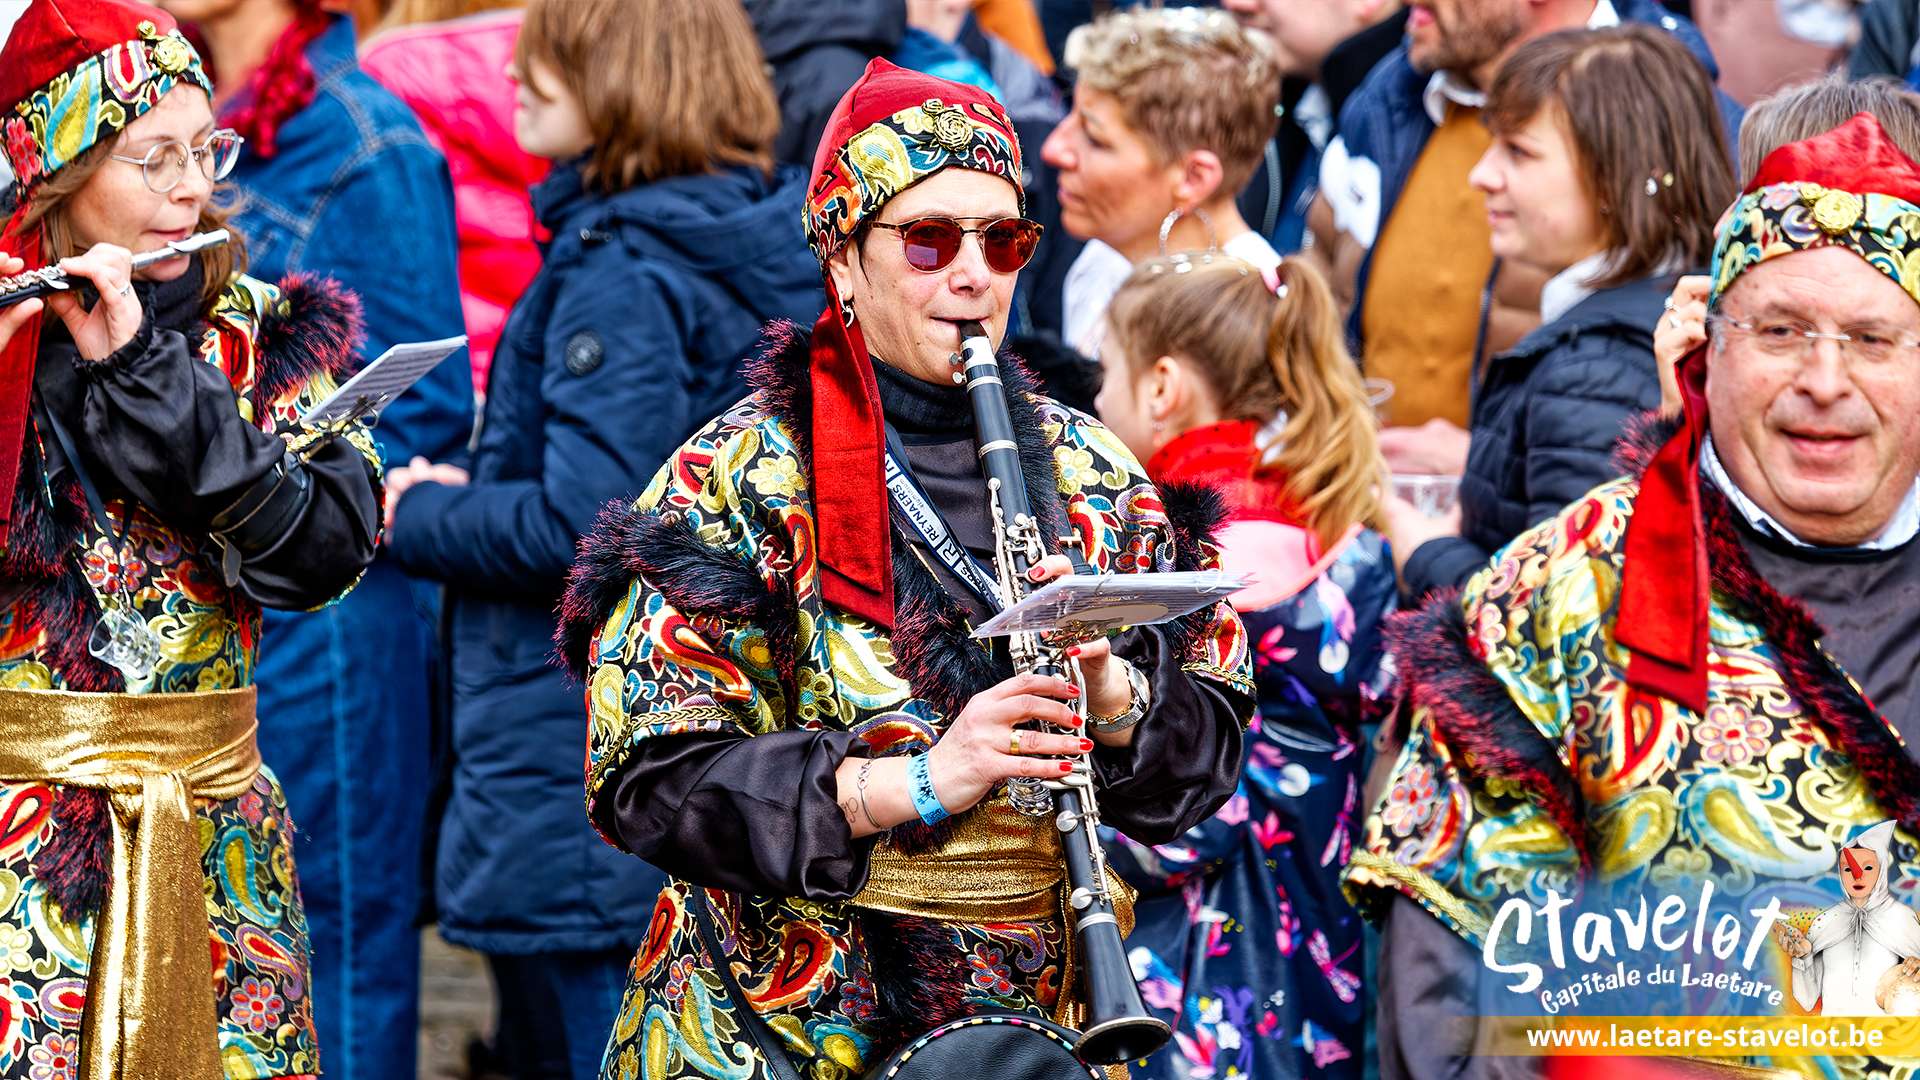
x=787, y=712
x=157, y=488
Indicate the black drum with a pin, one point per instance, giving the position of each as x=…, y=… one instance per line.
x=1001, y=1045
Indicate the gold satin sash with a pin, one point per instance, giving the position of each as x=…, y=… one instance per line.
x=997, y=866
x=150, y=1013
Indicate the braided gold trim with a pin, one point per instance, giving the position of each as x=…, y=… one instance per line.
x=618, y=756
x=1422, y=888
x=1232, y=678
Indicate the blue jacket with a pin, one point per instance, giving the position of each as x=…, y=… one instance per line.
x=630, y=338
x=1384, y=126
x=1546, y=416
x=357, y=192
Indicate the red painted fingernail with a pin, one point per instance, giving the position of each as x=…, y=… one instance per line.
x=1075, y=651
x=1086, y=745
x=1073, y=691
x=1036, y=574
x=1066, y=766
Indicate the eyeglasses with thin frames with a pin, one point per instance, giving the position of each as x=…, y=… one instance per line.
x=165, y=165
x=1796, y=338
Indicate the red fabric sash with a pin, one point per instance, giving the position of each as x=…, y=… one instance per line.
x=849, y=477
x=16, y=374
x=1664, y=588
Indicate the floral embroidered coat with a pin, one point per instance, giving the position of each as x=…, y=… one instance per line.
x=1530, y=764
x=696, y=620
x=280, y=350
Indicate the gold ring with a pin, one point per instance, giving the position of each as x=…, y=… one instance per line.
x=1013, y=745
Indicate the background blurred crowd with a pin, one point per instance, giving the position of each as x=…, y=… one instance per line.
x=1471, y=211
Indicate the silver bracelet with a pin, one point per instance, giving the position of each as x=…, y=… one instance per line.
x=1137, y=701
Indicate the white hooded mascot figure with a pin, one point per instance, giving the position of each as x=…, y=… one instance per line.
x=1841, y=958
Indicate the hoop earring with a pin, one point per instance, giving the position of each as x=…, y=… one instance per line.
x=846, y=313
x=1167, y=223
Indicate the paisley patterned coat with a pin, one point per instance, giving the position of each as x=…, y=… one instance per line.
x=281, y=351
x=1530, y=764
x=697, y=613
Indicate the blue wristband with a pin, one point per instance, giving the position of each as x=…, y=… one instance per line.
x=920, y=784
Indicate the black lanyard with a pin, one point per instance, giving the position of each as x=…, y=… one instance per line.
x=94, y=505
x=915, y=511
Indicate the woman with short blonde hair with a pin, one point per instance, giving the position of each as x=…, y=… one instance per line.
x=1173, y=108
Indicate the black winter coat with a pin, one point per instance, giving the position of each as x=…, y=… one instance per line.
x=816, y=51
x=1546, y=415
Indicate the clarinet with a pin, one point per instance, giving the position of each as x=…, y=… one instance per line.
x=52, y=279
x=1119, y=1028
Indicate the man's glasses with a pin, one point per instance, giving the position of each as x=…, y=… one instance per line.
x=165, y=165
x=1795, y=338
x=932, y=243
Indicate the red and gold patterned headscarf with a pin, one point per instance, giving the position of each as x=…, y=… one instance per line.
x=893, y=129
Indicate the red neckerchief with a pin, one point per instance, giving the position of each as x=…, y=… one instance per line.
x=1225, y=456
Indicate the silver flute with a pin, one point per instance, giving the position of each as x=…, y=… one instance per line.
x=1118, y=1026
x=52, y=279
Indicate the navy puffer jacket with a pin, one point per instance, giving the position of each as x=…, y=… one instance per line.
x=1546, y=416
x=631, y=338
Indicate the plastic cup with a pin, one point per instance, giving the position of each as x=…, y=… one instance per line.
x=1431, y=494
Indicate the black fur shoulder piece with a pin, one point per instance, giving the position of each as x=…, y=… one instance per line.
x=778, y=371
x=320, y=330
x=1643, y=438
x=700, y=581
x=1195, y=515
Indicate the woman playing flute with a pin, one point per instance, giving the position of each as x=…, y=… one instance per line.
x=157, y=488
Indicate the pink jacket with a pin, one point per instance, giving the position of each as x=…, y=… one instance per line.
x=452, y=74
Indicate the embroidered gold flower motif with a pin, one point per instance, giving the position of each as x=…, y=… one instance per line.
x=950, y=129
x=172, y=55
x=1837, y=211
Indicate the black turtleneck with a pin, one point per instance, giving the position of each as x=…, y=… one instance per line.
x=935, y=425
x=1868, y=604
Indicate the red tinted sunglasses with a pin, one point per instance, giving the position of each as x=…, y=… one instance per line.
x=932, y=243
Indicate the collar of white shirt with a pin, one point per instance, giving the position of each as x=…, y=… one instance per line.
x=1445, y=86
x=1567, y=288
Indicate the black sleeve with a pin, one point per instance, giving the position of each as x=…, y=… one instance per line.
x=155, y=423
x=754, y=815
x=1184, y=761
x=1886, y=40
x=1429, y=988
x=1442, y=563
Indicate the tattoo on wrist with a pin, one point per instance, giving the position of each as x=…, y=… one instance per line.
x=861, y=786
x=847, y=807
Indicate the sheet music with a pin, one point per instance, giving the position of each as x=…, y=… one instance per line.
x=376, y=385
x=1091, y=605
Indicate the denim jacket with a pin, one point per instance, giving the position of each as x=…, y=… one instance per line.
x=357, y=193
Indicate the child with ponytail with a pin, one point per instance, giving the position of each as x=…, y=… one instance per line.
x=1220, y=375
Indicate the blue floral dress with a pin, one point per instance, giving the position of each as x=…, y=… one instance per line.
x=1242, y=939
